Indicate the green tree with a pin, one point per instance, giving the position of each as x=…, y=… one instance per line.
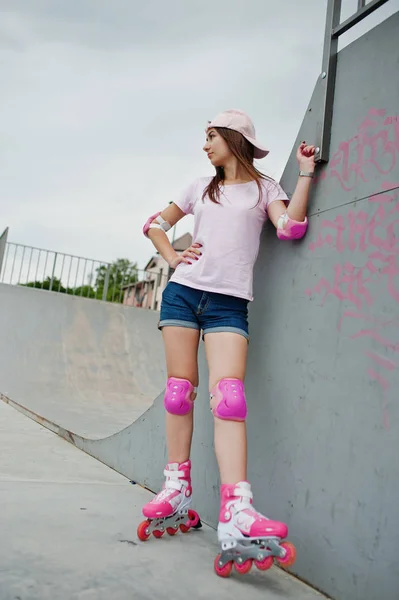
x=119, y=273
x=45, y=285
x=86, y=291
x=116, y=275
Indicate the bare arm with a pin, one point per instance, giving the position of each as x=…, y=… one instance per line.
x=172, y=214
x=297, y=208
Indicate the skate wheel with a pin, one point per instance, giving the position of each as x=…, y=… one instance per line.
x=171, y=530
x=142, y=533
x=194, y=518
x=265, y=564
x=184, y=528
x=224, y=571
x=243, y=568
x=290, y=556
x=157, y=533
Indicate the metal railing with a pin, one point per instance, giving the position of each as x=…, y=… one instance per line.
x=120, y=281
x=334, y=29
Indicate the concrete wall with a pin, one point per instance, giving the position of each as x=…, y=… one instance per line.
x=324, y=360
x=91, y=366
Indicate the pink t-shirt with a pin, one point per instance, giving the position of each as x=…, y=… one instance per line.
x=229, y=233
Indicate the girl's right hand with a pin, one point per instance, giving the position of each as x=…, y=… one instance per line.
x=192, y=253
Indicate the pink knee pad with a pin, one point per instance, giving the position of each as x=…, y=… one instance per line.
x=288, y=229
x=177, y=399
x=230, y=402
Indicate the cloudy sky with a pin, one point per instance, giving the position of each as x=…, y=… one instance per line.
x=103, y=105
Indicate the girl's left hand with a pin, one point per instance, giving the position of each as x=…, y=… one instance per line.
x=305, y=157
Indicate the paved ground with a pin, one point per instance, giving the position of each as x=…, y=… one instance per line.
x=68, y=526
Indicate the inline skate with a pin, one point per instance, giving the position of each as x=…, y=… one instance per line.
x=170, y=509
x=247, y=537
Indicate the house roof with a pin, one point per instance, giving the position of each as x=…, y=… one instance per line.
x=152, y=260
x=182, y=243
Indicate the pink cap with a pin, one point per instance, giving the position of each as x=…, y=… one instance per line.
x=239, y=121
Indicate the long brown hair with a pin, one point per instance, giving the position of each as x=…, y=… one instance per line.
x=244, y=153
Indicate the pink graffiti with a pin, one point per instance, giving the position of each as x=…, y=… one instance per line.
x=382, y=361
x=360, y=230
x=349, y=284
x=372, y=333
x=383, y=382
x=375, y=147
x=376, y=233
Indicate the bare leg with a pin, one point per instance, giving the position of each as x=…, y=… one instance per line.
x=226, y=356
x=181, y=348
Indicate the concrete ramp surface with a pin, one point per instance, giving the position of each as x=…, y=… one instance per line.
x=68, y=533
x=91, y=366
x=85, y=515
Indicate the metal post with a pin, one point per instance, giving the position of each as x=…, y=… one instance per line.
x=3, y=244
x=173, y=240
x=334, y=29
x=52, y=273
x=13, y=262
x=45, y=267
x=106, y=283
x=83, y=278
x=364, y=11
x=328, y=75
x=30, y=262
x=174, y=228
x=22, y=265
x=156, y=287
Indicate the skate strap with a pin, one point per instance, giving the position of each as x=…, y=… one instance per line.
x=173, y=474
x=173, y=481
x=162, y=224
x=239, y=492
x=240, y=499
x=243, y=493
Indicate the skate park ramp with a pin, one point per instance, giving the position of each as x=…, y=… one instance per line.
x=68, y=532
x=323, y=367
x=91, y=366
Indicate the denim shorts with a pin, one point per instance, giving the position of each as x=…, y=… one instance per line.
x=183, y=306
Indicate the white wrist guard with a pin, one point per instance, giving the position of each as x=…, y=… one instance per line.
x=156, y=222
x=162, y=224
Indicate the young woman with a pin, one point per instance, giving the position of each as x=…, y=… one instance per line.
x=209, y=291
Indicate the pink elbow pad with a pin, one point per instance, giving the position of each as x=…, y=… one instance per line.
x=156, y=222
x=288, y=229
x=148, y=223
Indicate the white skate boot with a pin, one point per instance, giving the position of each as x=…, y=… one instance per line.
x=247, y=536
x=170, y=509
